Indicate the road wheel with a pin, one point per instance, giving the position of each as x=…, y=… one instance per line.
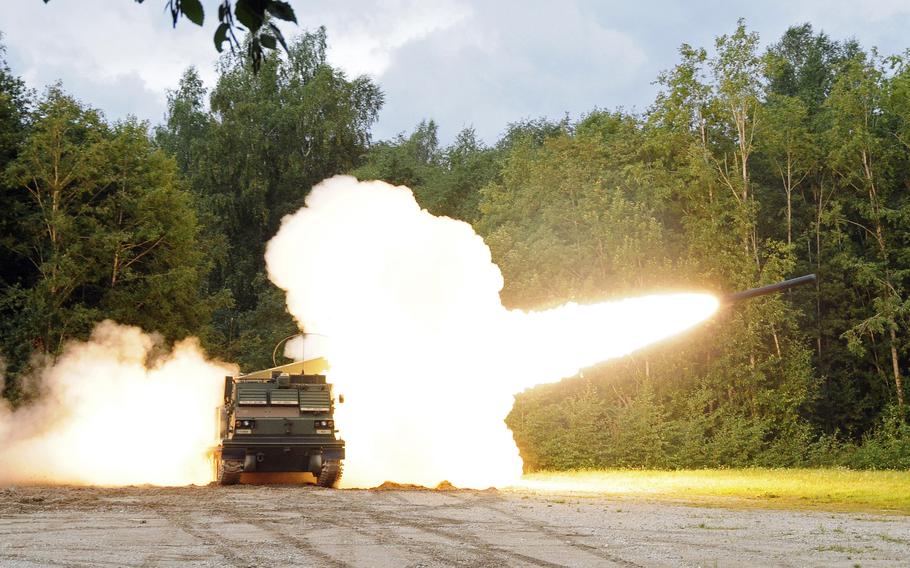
x=330, y=474
x=229, y=471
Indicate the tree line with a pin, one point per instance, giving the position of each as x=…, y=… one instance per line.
x=750, y=166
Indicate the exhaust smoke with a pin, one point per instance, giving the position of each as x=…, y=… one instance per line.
x=420, y=344
x=117, y=409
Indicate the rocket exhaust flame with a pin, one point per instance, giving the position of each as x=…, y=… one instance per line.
x=420, y=344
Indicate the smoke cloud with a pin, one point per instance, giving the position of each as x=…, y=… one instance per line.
x=117, y=409
x=419, y=342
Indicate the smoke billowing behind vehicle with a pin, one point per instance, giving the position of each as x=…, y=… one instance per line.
x=420, y=344
x=117, y=409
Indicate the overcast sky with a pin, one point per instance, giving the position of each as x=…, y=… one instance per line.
x=460, y=62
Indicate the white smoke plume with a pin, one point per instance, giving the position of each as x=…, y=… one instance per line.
x=309, y=347
x=420, y=344
x=117, y=409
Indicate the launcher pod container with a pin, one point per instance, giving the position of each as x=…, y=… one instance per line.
x=279, y=420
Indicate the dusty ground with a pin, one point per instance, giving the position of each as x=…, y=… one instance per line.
x=307, y=526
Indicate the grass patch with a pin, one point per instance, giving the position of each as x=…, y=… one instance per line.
x=840, y=549
x=708, y=527
x=894, y=539
x=827, y=489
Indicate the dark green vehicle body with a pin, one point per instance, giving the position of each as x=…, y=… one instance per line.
x=283, y=423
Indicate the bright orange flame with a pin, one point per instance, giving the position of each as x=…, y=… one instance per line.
x=572, y=337
x=108, y=416
x=421, y=346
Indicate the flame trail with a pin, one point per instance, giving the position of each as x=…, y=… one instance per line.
x=113, y=412
x=420, y=344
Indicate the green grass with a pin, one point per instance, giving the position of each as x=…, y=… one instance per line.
x=894, y=539
x=827, y=489
x=840, y=549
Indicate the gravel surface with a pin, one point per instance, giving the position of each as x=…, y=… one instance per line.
x=247, y=525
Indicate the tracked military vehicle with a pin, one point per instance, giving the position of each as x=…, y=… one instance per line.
x=279, y=420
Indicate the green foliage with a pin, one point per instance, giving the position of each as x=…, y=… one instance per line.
x=411, y=161
x=250, y=157
x=254, y=16
x=570, y=219
x=887, y=446
x=748, y=168
x=249, y=336
x=446, y=181
x=100, y=228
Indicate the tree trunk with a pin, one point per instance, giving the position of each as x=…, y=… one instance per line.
x=880, y=237
x=115, y=268
x=789, y=190
x=895, y=367
x=776, y=342
x=818, y=269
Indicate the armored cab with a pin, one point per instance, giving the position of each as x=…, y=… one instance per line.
x=279, y=420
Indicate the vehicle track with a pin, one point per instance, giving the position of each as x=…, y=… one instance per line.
x=251, y=526
x=206, y=536
x=297, y=542
x=383, y=533
x=445, y=527
x=486, y=503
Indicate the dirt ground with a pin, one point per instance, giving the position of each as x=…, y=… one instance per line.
x=248, y=525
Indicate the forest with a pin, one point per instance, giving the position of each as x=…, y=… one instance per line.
x=751, y=165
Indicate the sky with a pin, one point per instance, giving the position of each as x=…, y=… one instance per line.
x=462, y=63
